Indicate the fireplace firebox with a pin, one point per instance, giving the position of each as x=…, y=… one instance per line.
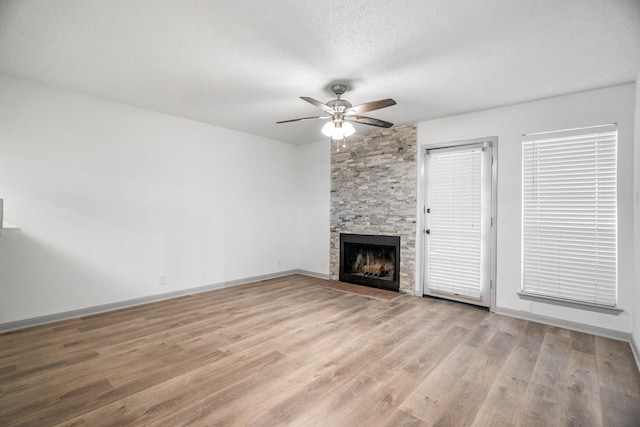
x=370, y=260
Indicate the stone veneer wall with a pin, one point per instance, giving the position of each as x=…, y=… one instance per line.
x=373, y=191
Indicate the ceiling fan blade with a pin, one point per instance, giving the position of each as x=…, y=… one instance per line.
x=303, y=118
x=318, y=104
x=368, y=121
x=370, y=106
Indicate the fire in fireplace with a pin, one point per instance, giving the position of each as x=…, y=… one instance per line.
x=370, y=260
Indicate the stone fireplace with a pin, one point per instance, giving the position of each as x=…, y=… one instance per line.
x=370, y=260
x=373, y=192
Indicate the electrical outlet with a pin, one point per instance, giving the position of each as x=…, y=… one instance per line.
x=279, y=262
x=162, y=280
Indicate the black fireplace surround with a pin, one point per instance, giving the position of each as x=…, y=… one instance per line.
x=370, y=260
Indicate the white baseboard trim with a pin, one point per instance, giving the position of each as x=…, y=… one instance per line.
x=567, y=324
x=636, y=351
x=103, y=308
x=313, y=274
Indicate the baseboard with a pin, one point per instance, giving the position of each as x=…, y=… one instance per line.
x=635, y=351
x=313, y=274
x=42, y=320
x=567, y=324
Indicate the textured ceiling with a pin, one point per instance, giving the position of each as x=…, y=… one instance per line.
x=242, y=64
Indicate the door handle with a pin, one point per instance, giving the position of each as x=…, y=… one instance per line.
x=427, y=231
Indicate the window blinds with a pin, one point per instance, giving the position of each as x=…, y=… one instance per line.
x=569, y=215
x=454, y=201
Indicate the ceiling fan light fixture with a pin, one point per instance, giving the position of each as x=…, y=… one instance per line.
x=338, y=130
x=348, y=129
x=327, y=129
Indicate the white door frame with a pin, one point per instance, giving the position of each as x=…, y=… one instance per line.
x=421, y=240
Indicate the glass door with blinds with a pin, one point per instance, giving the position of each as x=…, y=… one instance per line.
x=458, y=222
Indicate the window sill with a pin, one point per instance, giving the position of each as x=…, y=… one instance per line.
x=573, y=304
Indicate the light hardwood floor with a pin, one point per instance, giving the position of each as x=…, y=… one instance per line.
x=290, y=351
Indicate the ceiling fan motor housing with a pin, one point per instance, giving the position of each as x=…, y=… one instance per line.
x=339, y=105
x=338, y=89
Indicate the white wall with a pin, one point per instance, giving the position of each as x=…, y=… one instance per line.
x=109, y=197
x=615, y=104
x=636, y=177
x=313, y=173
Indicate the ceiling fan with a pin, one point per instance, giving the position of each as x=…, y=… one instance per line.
x=341, y=112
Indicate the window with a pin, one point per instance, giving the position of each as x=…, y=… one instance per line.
x=569, y=215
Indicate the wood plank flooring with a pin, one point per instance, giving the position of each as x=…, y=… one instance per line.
x=291, y=351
